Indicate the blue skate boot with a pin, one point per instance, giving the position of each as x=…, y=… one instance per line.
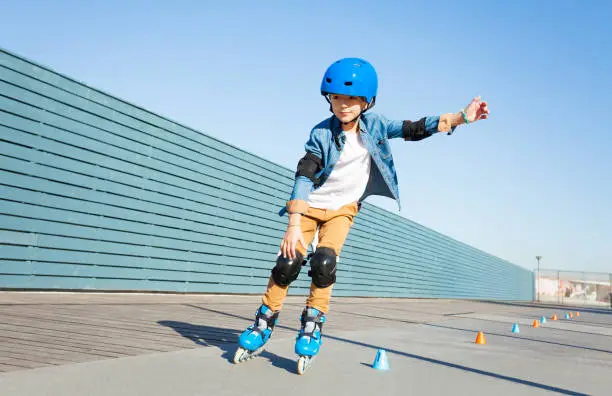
x=308, y=340
x=253, y=339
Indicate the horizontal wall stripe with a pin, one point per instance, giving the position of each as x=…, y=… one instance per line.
x=176, y=208
x=148, y=119
x=383, y=250
x=101, y=222
x=139, y=172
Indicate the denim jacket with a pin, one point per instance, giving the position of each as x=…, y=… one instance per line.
x=327, y=141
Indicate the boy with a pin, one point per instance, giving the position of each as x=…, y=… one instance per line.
x=347, y=159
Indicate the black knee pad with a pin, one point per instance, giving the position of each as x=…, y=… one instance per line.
x=286, y=269
x=323, y=267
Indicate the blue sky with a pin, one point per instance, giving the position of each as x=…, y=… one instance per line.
x=534, y=179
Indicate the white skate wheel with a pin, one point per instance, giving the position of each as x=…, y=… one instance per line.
x=302, y=365
x=240, y=355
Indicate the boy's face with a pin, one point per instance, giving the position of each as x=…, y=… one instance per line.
x=346, y=108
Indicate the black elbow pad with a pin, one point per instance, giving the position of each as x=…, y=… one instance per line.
x=309, y=166
x=414, y=131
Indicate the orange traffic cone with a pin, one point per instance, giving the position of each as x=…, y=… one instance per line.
x=554, y=317
x=480, y=338
x=577, y=313
x=536, y=323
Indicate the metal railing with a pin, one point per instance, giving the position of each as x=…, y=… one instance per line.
x=573, y=287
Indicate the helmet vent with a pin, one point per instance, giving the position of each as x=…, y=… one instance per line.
x=348, y=83
x=328, y=80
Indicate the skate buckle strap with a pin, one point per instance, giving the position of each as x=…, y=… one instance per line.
x=318, y=320
x=270, y=321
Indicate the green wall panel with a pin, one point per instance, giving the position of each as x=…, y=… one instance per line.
x=99, y=194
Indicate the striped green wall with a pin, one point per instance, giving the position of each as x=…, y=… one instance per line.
x=99, y=194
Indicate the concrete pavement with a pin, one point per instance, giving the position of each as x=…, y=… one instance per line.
x=133, y=344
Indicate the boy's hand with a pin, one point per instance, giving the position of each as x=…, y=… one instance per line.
x=293, y=235
x=477, y=110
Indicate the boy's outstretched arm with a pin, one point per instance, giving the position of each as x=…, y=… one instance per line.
x=427, y=126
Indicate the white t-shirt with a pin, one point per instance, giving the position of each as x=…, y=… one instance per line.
x=348, y=179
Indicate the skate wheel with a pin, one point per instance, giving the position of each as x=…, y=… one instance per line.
x=301, y=366
x=304, y=363
x=240, y=355
x=243, y=354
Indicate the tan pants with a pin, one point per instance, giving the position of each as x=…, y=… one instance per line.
x=334, y=226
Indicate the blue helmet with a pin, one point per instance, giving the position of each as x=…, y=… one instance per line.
x=353, y=77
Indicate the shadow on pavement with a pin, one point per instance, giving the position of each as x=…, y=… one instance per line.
x=424, y=358
x=224, y=339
